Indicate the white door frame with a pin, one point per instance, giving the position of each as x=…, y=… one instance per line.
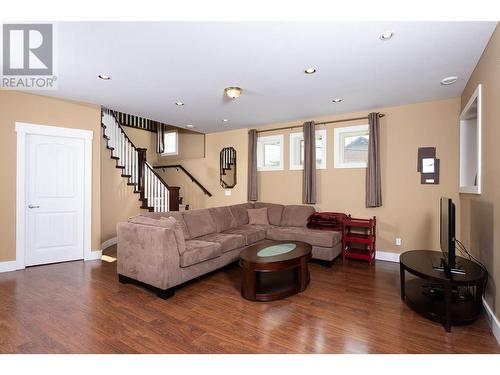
x=24, y=129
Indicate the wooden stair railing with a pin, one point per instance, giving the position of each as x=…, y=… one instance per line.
x=193, y=179
x=154, y=193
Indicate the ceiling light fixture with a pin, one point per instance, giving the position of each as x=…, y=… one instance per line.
x=233, y=92
x=189, y=126
x=104, y=77
x=179, y=104
x=386, y=35
x=310, y=71
x=225, y=120
x=449, y=80
x=337, y=100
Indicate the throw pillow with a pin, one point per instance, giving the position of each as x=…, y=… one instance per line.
x=258, y=216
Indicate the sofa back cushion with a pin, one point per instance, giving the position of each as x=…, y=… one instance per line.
x=223, y=218
x=175, y=214
x=296, y=216
x=163, y=222
x=199, y=222
x=258, y=216
x=240, y=213
x=274, y=211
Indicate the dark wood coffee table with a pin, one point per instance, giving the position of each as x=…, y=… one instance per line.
x=273, y=270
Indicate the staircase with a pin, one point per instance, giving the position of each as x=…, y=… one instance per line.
x=154, y=193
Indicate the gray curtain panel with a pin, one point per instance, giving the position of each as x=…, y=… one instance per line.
x=252, y=165
x=309, y=176
x=373, y=179
x=160, y=137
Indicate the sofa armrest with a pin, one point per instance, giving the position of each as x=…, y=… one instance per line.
x=148, y=254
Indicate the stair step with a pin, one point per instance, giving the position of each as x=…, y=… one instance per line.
x=106, y=137
x=115, y=157
x=110, y=148
x=120, y=167
x=126, y=175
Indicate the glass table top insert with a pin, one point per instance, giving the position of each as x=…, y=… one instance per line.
x=274, y=250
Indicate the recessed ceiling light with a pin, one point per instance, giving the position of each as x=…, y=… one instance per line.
x=449, y=80
x=386, y=35
x=337, y=100
x=310, y=71
x=104, y=77
x=233, y=92
x=225, y=120
x=189, y=126
x=179, y=104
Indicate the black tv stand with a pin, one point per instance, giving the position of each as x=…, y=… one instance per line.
x=443, y=268
x=456, y=298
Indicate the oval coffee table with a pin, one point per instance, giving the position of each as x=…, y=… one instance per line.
x=273, y=270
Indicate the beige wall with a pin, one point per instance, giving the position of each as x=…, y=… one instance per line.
x=206, y=170
x=481, y=213
x=410, y=210
x=118, y=200
x=191, y=146
x=22, y=107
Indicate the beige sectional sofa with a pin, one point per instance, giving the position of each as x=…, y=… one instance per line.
x=163, y=253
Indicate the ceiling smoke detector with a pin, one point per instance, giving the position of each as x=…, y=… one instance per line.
x=233, y=92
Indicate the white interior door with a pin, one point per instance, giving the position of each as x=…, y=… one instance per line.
x=54, y=199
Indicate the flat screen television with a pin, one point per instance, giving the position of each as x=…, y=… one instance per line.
x=447, y=232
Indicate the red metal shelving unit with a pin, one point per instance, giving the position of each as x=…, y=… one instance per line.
x=358, y=238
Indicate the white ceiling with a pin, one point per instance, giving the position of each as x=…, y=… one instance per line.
x=154, y=65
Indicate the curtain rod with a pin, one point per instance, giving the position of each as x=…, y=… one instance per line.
x=319, y=123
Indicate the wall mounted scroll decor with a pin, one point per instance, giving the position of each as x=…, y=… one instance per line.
x=428, y=165
x=227, y=162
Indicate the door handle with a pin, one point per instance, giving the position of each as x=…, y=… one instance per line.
x=31, y=206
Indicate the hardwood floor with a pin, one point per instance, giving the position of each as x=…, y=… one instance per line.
x=80, y=307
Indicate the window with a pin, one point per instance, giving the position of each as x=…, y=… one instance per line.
x=170, y=141
x=351, y=147
x=297, y=150
x=270, y=153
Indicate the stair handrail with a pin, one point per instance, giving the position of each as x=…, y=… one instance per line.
x=193, y=179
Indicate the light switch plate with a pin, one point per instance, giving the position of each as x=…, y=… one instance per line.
x=398, y=241
x=227, y=193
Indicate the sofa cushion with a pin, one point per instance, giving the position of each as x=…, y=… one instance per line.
x=296, y=216
x=162, y=222
x=274, y=211
x=180, y=220
x=240, y=213
x=199, y=222
x=252, y=233
x=258, y=216
x=227, y=241
x=158, y=215
x=199, y=251
x=223, y=218
x=314, y=237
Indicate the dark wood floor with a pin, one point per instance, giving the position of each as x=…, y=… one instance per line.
x=80, y=307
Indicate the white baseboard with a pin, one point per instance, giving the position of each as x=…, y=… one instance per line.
x=9, y=266
x=387, y=256
x=492, y=320
x=109, y=243
x=94, y=255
